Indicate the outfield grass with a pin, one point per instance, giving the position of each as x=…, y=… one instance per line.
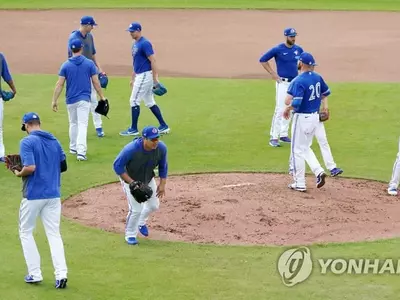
x=383, y=5
x=363, y=135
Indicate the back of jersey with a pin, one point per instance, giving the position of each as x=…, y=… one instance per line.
x=310, y=87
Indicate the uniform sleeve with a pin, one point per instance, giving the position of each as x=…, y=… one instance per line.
x=123, y=158
x=62, y=72
x=148, y=49
x=5, y=72
x=62, y=153
x=268, y=55
x=163, y=163
x=297, y=91
x=325, y=91
x=26, y=153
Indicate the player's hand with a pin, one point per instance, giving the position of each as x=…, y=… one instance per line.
x=54, y=106
x=286, y=113
x=276, y=78
x=131, y=83
x=161, y=191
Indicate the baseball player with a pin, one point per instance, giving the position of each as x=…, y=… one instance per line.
x=320, y=135
x=43, y=161
x=286, y=57
x=80, y=74
x=136, y=162
x=395, y=179
x=305, y=95
x=144, y=78
x=6, y=75
x=89, y=51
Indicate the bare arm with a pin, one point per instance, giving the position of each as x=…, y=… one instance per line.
x=97, y=86
x=12, y=86
x=125, y=177
x=97, y=63
x=57, y=92
x=324, y=106
x=154, y=68
x=269, y=69
x=26, y=171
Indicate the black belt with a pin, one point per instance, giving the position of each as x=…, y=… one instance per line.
x=287, y=79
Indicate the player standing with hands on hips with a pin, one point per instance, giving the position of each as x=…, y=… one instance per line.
x=135, y=164
x=80, y=74
x=43, y=160
x=305, y=95
x=89, y=51
x=144, y=78
x=286, y=56
x=6, y=76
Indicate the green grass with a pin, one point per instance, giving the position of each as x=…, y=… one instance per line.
x=384, y=5
x=217, y=125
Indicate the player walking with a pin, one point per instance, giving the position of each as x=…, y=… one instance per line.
x=80, y=74
x=89, y=51
x=144, y=78
x=136, y=162
x=6, y=75
x=395, y=179
x=286, y=57
x=43, y=161
x=305, y=95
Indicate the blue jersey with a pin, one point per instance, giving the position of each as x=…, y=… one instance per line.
x=307, y=90
x=286, y=59
x=141, y=50
x=4, y=72
x=78, y=72
x=42, y=149
x=139, y=163
x=88, y=44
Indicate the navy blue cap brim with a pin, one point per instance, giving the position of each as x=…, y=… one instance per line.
x=152, y=136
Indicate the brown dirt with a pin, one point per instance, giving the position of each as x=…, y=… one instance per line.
x=251, y=209
x=349, y=46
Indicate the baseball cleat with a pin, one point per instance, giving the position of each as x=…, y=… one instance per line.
x=131, y=241
x=32, y=279
x=321, y=180
x=296, y=188
x=336, y=172
x=72, y=151
x=164, y=129
x=61, y=283
x=285, y=139
x=144, y=230
x=100, y=132
x=2, y=159
x=129, y=132
x=392, y=191
x=274, y=143
x=81, y=157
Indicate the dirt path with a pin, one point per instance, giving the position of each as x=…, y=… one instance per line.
x=349, y=46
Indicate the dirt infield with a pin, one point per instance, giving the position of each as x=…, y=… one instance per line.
x=348, y=46
x=250, y=209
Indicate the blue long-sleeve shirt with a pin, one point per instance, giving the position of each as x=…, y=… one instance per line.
x=140, y=163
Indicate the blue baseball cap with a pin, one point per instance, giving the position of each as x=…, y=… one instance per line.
x=135, y=26
x=290, y=32
x=28, y=117
x=307, y=59
x=88, y=20
x=150, y=132
x=75, y=44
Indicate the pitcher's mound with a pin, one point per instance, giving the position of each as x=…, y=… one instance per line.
x=251, y=208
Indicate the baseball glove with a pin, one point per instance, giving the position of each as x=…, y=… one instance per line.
x=7, y=96
x=140, y=191
x=13, y=162
x=324, y=116
x=159, y=89
x=103, y=79
x=103, y=107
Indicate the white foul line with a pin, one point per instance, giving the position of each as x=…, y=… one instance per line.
x=239, y=184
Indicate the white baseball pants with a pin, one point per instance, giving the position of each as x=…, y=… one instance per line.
x=311, y=159
x=303, y=131
x=139, y=212
x=395, y=179
x=2, y=149
x=78, y=114
x=49, y=211
x=280, y=126
x=142, y=89
x=97, y=122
